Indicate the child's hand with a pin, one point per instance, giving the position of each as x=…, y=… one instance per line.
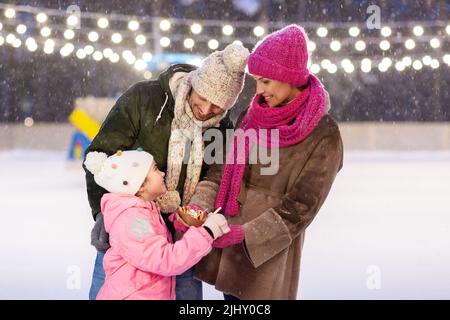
x=177, y=225
x=217, y=223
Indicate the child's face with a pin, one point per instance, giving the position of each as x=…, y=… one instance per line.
x=153, y=185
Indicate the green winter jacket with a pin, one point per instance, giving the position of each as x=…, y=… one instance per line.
x=131, y=123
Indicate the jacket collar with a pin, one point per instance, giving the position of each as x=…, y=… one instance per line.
x=165, y=77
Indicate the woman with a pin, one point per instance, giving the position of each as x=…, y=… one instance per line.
x=260, y=257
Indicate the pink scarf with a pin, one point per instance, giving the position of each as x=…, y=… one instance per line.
x=295, y=122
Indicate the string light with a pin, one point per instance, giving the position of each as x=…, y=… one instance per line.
x=196, y=28
x=10, y=13
x=103, y=23
x=315, y=68
x=311, y=46
x=407, y=61
x=259, y=31
x=418, y=31
x=69, y=34
x=97, y=56
x=385, y=45
x=45, y=32
x=188, y=43
x=213, y=44
x=89, y=49
x=147, y=56
x=140, y=65
x=81, y=54
x=93, y=36
x=417, y=65
x=141, y=39
x=322, y=32
x=165, y=25
x=434, y=63
x=400, y=66
x=360, y=45
x=354, y=31
x=332, y=68
x=435, y=43
x=335, y=45
x=410, y=44
x=41, y=17
x=366, y=65
x=227, y=30
x=386, y=31
x=116, y=38
x=72, y=20
x=164, y=42
x=21, y=29
x=426, y=60
x=114, y=58
x=133, y=25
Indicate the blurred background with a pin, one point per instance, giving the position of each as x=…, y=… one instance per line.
x=383, y=231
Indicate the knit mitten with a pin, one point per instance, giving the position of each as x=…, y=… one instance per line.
x=99, y=236
x=217, y=223
x=235, y=236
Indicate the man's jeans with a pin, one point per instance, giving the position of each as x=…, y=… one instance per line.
x=98, y=276
x=187, y=288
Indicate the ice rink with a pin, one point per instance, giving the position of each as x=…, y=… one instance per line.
x=383, y=233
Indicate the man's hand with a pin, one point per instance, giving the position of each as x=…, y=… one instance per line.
x=99, y=236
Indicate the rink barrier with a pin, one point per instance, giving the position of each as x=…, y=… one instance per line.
x=356, y=136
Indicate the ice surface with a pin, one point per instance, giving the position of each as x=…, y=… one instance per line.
x=383, y=233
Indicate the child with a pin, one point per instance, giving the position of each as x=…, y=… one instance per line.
x=142, y=260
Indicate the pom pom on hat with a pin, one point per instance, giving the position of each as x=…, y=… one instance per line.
x=235, y=58
x=94, y=161
x=220, y=79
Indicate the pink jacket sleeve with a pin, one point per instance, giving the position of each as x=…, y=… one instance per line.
x=143, y=243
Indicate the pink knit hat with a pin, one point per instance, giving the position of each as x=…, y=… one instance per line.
x=282, y=56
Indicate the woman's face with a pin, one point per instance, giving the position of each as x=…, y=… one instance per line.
x=275, y=93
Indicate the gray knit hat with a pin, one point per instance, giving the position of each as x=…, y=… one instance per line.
x=220, y=79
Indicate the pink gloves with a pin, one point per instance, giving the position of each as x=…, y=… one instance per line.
x=234, y=236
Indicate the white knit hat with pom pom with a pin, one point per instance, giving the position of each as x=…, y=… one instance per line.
x=220, y=79
x=123, y=172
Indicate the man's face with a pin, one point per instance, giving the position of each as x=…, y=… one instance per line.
x=201, y=108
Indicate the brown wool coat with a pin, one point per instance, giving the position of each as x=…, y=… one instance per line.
x=274, y=211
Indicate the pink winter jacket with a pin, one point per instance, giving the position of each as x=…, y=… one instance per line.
x=142, y=260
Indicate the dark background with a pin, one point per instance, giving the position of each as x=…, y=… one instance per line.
x=44, y=87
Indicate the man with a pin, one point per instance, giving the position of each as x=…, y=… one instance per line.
x=167, y=118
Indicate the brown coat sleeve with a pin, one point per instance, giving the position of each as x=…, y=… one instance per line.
x=298, y=207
